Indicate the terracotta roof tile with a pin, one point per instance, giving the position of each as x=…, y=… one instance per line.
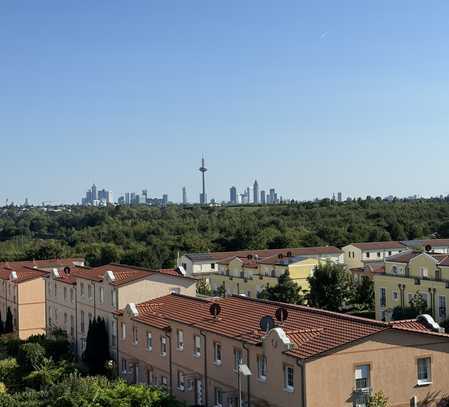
x=379, y=245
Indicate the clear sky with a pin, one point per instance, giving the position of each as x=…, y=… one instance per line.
x=309, y=97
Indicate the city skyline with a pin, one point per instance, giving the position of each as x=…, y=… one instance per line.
x=309, y=98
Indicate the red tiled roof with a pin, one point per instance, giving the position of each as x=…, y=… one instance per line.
x=379, y=245
x=313, y=331
x=24, y=273
x=407, y=256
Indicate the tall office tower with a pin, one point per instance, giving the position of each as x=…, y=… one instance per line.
x=263, y=198
x=233, y=195
x=94, y=192
x=89, y=197
x=184, y=195
x=144, y=195
x=256, y=192
x=127, y=198
x=203, y=196
x=248, y=194
x=121, y=200
x=272, y=196
x=339, y=197
x=133, y=198
x=164, y=200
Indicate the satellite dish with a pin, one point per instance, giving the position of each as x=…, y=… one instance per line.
x=215, y=310
x=67, y=270
x=281, y=314
x=428, y=248
x=266, y=323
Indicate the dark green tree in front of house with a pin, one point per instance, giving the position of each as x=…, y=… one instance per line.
x=203, y=288
x=2, y=325
x=330, y=287
x=363, y=294
x=8, y=323
x=417, y=306
x=286, y=290
x=97, y=354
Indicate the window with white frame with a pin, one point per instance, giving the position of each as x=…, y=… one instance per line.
x=237, y=359
x=218, y=397
x=135, y=336
x=180, y=340
x=123, y=331
x=124, y=366
x=180, y=384
x=101, y=295
x=89, y=291
x=149, y=341
x=196, y=346
x=217, y=353
x=82, y=289
x=82, y=322
x=163, y=345
x=424, y=371
x=361, y=376
x=262, y=367
x=289, y=378
x=113, y=297
x=442, y=307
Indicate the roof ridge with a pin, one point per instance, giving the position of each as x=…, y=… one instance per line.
x=316, y=311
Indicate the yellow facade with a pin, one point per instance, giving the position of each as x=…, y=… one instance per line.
x=239, y=278
x=402, y=281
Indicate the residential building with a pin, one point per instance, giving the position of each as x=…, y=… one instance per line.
x=250, y=276
x=197, y=349
x=430, y=245
x=22, y=290
x=357, y=255
x=203, y=265
x=412, y=272
x=102, y=291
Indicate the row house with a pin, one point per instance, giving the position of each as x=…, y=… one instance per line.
x=76, y=296
x=206, y=265
x=412, y=272
x=214, y=352
x=22, y=291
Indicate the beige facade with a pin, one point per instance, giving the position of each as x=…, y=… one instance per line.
x=359, y=254
x=199, y=365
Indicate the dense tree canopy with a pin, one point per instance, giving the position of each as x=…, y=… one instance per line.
x=152, y=237
x=285, y=291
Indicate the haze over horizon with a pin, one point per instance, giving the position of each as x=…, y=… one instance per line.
x=308, y=98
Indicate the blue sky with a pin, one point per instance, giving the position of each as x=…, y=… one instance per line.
x=309, y=97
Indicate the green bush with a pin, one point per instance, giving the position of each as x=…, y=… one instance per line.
x=30, y=356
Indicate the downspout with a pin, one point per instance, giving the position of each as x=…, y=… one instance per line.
x=206, y=393
x=76, y=316
x=302, y=365
x=45, y=311
x=248, y=388
x=170, y=367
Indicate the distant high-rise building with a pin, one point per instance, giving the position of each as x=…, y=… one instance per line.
x=203, y=195
x=127, y=198
x=164, y=199
x=256, y=192
x=94, y=193
x=233, y=195
x=144, y=195
x=263, y=198
x=272, y=196
x=339, y=197
x=248, y=194
x=184, y=195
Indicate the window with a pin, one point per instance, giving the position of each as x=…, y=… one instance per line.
x=289, y=384
x=196, y=346
x=237, y=359
x=71, y=295
x=389, y=252
x=212, y=266
x=218, y=397
x=361, y=376
x=124, y=366
x=135, y=336
x=72, y=326
x=90, y=317
x=164, y=380
x=378, y=254
x=423, y=272
x=82, y=322
x=56, y=290
x=383, y=297
x=180, y=384
x=261, y=367
x=113, y=298
x=163, y=345
x=89, y=291
x=65, y=318
x=114, y=333
x=82, y=289
x=442, y=307
x=65, y=293
x=101, y=295
x=150, y=377
x=180, y=340
x=395, y=296
x=149, y=342
x=424, y=374
x=367, y=255
x=123, y=331
x=217, y=353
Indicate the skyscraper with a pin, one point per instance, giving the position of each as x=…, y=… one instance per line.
x=184, y=196
x=256, y=192
x=203, y=196
x=233, y=195
x=94, y=193
x=339, y=197
x=248, y=192
x=263, y=199
x=164, y=200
